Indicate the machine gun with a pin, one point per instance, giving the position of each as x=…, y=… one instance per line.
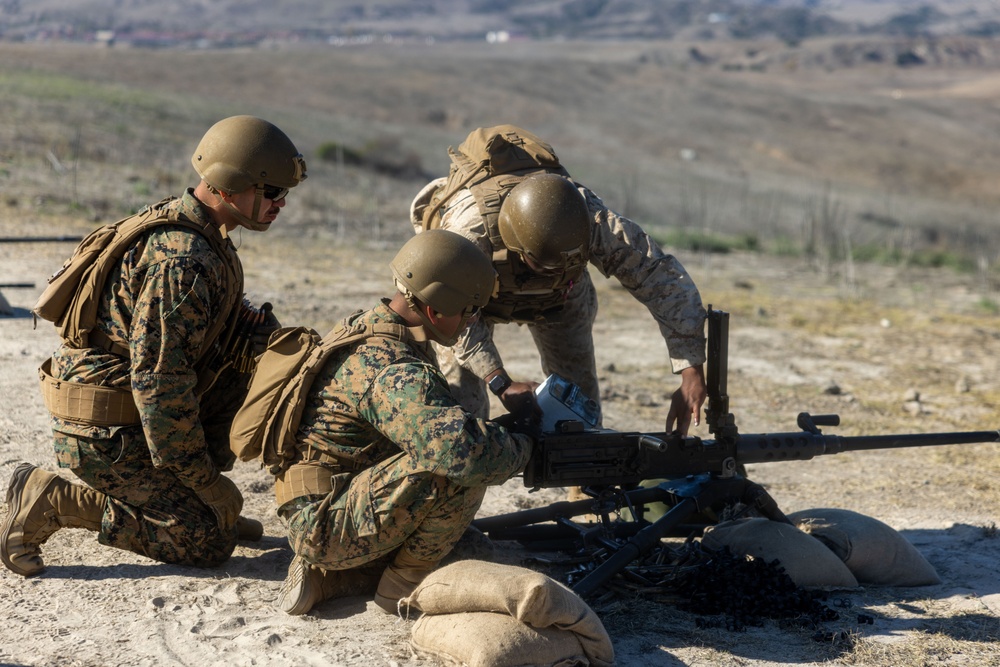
x=701, y=474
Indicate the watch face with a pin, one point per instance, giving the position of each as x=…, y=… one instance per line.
x=499, y=384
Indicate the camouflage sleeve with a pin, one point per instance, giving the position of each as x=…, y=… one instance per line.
x=475, y=349
x=422, y=201
x=171, y=315
x=410, y=404
x=620, y=248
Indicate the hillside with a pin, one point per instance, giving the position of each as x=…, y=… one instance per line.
x=159, y=23
x=754, y=143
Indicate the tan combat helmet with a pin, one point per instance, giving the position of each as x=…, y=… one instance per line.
x=241, y=152
x=447, y=272
x=545, y=219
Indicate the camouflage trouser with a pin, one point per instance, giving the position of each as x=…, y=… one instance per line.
x=565, y=347
x=383, y=508
x=149, y=511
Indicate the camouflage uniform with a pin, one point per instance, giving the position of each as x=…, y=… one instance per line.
x=171, y=286
x=412, y=466
x=619, y=248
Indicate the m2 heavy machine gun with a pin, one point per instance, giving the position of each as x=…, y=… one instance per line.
x=701, y=475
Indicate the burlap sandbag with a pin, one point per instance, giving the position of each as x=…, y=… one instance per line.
x=487, y=639
x=805, y=559
x=874, y=552
x=528, y=597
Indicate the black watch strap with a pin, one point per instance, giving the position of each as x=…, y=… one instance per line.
x=499, y=384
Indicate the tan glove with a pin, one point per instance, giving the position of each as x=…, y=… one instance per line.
x=222, y=496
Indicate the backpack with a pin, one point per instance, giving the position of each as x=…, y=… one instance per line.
x=74, y=291
x=265, y=425
x=489, y=163
x=485, y=154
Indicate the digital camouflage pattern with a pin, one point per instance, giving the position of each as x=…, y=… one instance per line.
x=619, y=248
x=170, y=289
x=147, y=511
x=415, y=463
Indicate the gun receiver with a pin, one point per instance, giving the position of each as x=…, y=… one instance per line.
x=700, y=474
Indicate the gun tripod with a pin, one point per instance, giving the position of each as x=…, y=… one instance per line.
x=552, y=527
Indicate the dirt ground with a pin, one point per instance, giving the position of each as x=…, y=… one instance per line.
x=890, y=351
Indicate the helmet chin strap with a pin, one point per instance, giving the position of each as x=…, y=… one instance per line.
x=250, y=223
x=436, y=333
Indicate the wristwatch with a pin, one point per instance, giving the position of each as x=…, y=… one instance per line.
x=499, y=384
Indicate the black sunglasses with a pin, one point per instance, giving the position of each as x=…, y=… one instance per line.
x=274, y=193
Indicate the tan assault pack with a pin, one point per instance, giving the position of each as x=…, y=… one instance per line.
x=485, y=155
x=490, y=162
x=264, y=427
x=74, y=291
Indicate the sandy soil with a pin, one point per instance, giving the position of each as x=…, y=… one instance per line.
x=801, y=340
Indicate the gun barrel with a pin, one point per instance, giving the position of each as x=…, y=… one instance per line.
x=802, y=446
x=864, y=442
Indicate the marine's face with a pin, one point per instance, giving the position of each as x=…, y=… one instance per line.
x=269, y=208
x=450, y=327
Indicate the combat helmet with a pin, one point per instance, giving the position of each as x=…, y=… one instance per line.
x=545, y=219
x=447, y=272
x=241, y=152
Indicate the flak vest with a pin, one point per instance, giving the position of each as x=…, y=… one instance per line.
x=72, y=298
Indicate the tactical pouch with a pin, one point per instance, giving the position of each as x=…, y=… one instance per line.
x=309, y=478
x=86, y=403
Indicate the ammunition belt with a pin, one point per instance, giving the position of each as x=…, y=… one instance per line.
x=86, y=403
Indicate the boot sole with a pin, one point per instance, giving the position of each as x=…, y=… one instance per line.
x=293, y=599
x=18, y=479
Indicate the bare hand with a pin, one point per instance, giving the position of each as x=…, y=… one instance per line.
x=520, y=401
x=686, y=402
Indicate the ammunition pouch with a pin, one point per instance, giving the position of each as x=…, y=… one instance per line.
x=310, y=478
x=86, y=403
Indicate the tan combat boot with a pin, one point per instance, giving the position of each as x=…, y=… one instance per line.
x=307, y=585
x=399, y=580
x=38, y=504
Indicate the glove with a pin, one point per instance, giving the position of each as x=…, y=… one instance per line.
x=223, y=498
x=522, y=424
x=262, y=332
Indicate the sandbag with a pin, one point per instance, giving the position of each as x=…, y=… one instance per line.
x=806, y=560
x=487, y=639
x=529, y=597
x=874, y=552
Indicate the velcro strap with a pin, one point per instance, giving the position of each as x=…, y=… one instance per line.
x=86, y=403
x=97, y=338
x=308, y=478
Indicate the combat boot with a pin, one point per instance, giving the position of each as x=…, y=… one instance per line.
x=400, y=579
x=38, y=504
x=307, y=585
x=249, y=529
